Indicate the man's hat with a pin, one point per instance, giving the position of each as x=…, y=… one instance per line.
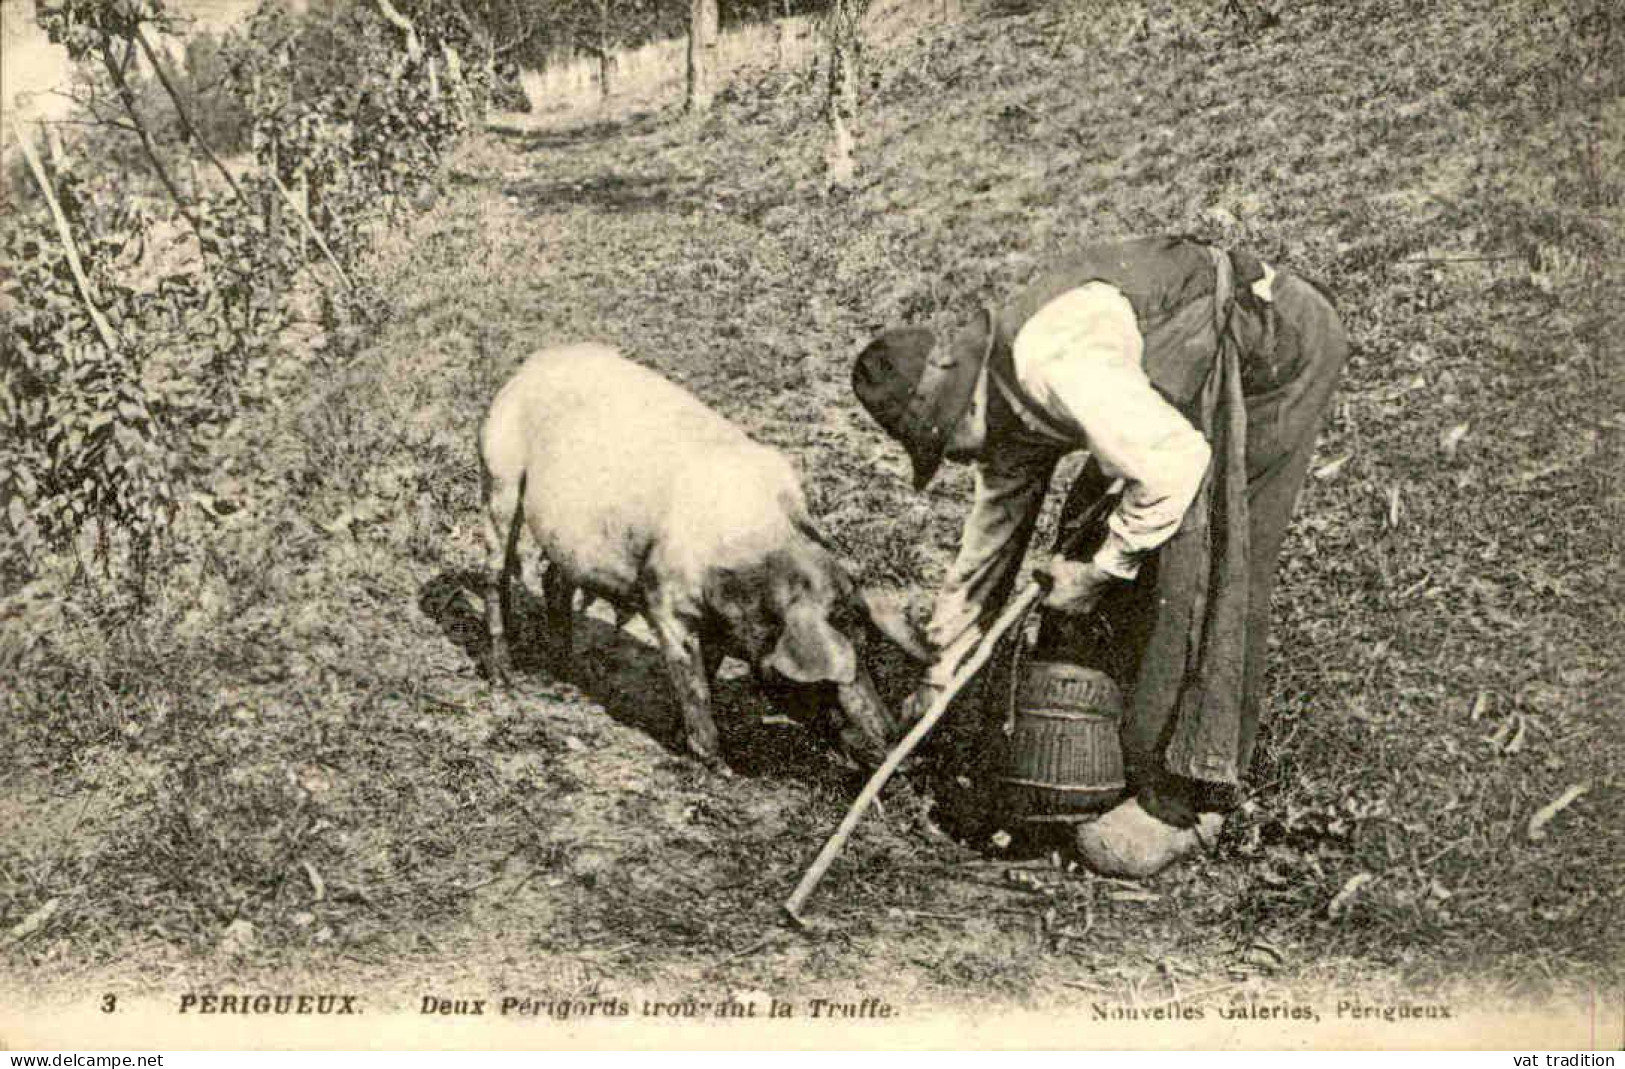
x=917, y=390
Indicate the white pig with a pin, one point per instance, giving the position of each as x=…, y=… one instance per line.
x=638, y=493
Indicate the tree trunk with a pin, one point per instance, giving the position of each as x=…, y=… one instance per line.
x=783, y=22
x=303, y=206
x=702, y=53
x=454, y=67
x=53, y=143
x=488, y=72
x=843, y=21
x=273, y=206
x=606, y=55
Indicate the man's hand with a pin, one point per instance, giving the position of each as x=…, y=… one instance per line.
x=919, y=703
x=1072, y=586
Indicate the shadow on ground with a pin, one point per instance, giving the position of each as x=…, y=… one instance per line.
x=770, y=731
x=523, y=135
x=609, y=192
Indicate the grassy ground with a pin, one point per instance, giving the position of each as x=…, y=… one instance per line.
x=286, y=762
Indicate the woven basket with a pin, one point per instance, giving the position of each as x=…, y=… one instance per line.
x=1064, y=759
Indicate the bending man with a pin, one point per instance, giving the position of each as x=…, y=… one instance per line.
x=1201, y=379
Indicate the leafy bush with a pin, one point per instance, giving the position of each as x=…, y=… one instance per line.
x=339, y=111
x=107, y=431
x=218, y=113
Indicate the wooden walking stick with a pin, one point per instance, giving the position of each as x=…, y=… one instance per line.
x=1014, y=611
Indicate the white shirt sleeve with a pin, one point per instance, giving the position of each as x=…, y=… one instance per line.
x=1009, y=495
x=1079, y=358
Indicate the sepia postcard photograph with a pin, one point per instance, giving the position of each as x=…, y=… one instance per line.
x=812, y=525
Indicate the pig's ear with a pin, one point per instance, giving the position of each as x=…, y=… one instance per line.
x=809, y=650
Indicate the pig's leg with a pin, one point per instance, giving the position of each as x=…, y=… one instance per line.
x=685, y=663
x=559, y=594
x=501, y=543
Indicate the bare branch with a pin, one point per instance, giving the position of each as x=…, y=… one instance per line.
x=186, y=120
x=103, y=327
x=98, y=122
x=127, y=98
x=310, y=228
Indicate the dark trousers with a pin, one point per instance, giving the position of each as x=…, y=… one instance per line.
x=1293, y=353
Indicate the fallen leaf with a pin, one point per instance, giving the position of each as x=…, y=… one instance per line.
x=316, y=884
x=1450, y=440
x=1515, y=744
x=266, y=673
x=1340, y=901
x=35, y=920
x=1267, y=949
x=1543, y=816
x=1393, y=507
x=314, y=780
x=238, y=938
x=1504, y=732
x=340, y=523
x=1330, y=469
x=1481, y=705
x=1261, y=956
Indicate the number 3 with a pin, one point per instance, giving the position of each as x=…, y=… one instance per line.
x=109, y=1003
